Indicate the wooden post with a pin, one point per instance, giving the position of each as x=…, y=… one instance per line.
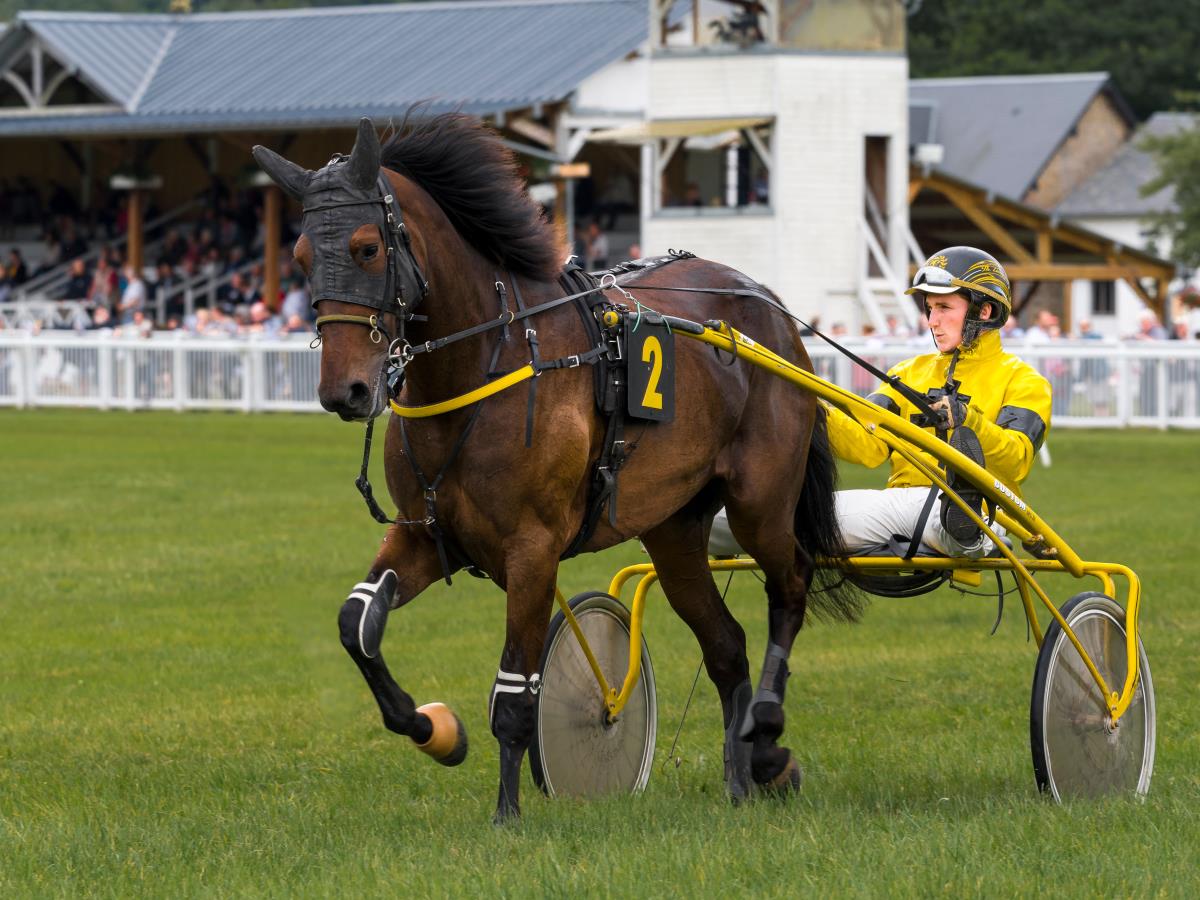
x=271, y=232
x=134, y=230
x=1066, y=309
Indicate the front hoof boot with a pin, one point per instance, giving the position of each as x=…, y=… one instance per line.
x=448, y=741
x=787, y=782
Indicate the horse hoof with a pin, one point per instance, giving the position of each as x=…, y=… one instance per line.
x=787, y=782
x=448, y=742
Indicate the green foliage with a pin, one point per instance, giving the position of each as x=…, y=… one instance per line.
x=1148, y=46
x=178, y=719
x=1179, y=168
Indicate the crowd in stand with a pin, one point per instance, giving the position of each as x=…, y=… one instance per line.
x=221, y=242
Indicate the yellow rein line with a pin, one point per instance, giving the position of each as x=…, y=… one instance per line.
x=480, y=393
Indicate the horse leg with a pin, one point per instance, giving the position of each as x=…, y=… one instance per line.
x=529, y=582
x=403, y=568
x=679, y=548
x=788, y=569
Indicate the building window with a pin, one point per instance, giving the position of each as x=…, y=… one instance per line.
x=1104, y=298
x=727, y=170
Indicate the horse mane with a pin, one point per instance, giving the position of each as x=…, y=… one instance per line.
x=473, y=177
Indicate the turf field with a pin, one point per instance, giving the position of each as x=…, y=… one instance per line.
x=177, y=717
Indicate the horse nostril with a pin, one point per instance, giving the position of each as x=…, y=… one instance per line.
x=359, y=394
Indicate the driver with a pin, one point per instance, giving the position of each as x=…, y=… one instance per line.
x=994, y=408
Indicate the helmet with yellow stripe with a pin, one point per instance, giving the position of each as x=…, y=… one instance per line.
x=978, y=275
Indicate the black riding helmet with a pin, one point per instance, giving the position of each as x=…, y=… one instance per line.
x=978, y=275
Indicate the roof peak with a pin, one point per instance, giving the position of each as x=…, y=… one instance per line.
x=295, y=13
x=1009, y=79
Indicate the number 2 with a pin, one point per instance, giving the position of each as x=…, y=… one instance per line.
x=652, y=353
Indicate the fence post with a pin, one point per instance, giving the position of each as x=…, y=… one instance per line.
x=179, y=371
x=104, y=372
x=1124, y=387
x=127, y=379
x=1161, y=384
x=248, y=379
x=25, y=374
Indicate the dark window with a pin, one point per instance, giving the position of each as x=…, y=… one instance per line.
x=1104, y=298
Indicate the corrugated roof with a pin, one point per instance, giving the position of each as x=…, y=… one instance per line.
x=1116, y=189
x=327, y=66
x=1000, y=132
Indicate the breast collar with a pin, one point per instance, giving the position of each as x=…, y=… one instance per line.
x=404, y=288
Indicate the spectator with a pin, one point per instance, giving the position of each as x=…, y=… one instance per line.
x=895, y=328
x=1043, y=327
x=15, y=271
x=295, y=324
x=1149, y=329
x=635, y=251
x=597, y=248
x=78, y=281
x=1012, y=331
x=133, y=297
x=295, y=302
x=1087, y=332
x=165, y=281
x=104, y=284
x=1179, y=331
x=236, y=297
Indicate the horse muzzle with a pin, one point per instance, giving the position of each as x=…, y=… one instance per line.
x=353, y=401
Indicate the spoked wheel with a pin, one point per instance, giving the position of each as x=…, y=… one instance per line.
x=1077, y=751
x=576, y=751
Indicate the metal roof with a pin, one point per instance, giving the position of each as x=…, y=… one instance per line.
x=322, y=67
x=1116, y=190
x=1000, y=132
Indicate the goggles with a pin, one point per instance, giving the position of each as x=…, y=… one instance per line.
x=936, y=280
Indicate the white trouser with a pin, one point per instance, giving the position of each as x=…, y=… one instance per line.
x=869, y=519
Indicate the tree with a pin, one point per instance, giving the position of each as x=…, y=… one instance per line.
x=1148, y=46
x=1178, y=168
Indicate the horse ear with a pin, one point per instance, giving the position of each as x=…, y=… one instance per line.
x=285, y=173
x=365, y=157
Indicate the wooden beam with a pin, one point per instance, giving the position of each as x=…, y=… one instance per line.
x=1064, y=233
x=1036, y=271
x=1066, y=308
x=973, y=210
x=915, y=187
x=1045, y=246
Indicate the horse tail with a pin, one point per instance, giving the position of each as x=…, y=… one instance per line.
x=831, y=596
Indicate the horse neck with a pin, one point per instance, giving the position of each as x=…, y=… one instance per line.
x=462, y=294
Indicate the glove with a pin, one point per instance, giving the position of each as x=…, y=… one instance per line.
x=951, y=412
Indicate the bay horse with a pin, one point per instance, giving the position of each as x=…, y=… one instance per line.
x=438, y=220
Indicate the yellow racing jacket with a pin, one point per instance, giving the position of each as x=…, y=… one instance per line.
x=1009, y=410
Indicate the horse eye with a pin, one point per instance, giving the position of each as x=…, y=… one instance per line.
x=370, y=251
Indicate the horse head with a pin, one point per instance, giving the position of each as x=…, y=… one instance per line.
x=363, y=278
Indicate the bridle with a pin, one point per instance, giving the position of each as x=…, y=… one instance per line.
x=395, y=299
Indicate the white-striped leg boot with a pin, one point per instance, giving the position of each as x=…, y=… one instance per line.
x=366, y=625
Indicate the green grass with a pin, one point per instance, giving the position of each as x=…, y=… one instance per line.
x=177, y=717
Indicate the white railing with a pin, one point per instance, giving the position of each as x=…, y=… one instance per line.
x=1097, y=384
x=174, y=371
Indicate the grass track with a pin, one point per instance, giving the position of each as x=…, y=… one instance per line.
x=178, y=719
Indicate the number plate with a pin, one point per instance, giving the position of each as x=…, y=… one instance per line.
x=650, y=349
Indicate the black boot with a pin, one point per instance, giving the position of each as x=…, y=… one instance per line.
x=956, y=522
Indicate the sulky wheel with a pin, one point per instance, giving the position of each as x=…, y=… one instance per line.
x=1076, y=750
x=576, y=751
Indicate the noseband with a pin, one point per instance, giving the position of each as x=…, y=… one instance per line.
x=395, y=299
